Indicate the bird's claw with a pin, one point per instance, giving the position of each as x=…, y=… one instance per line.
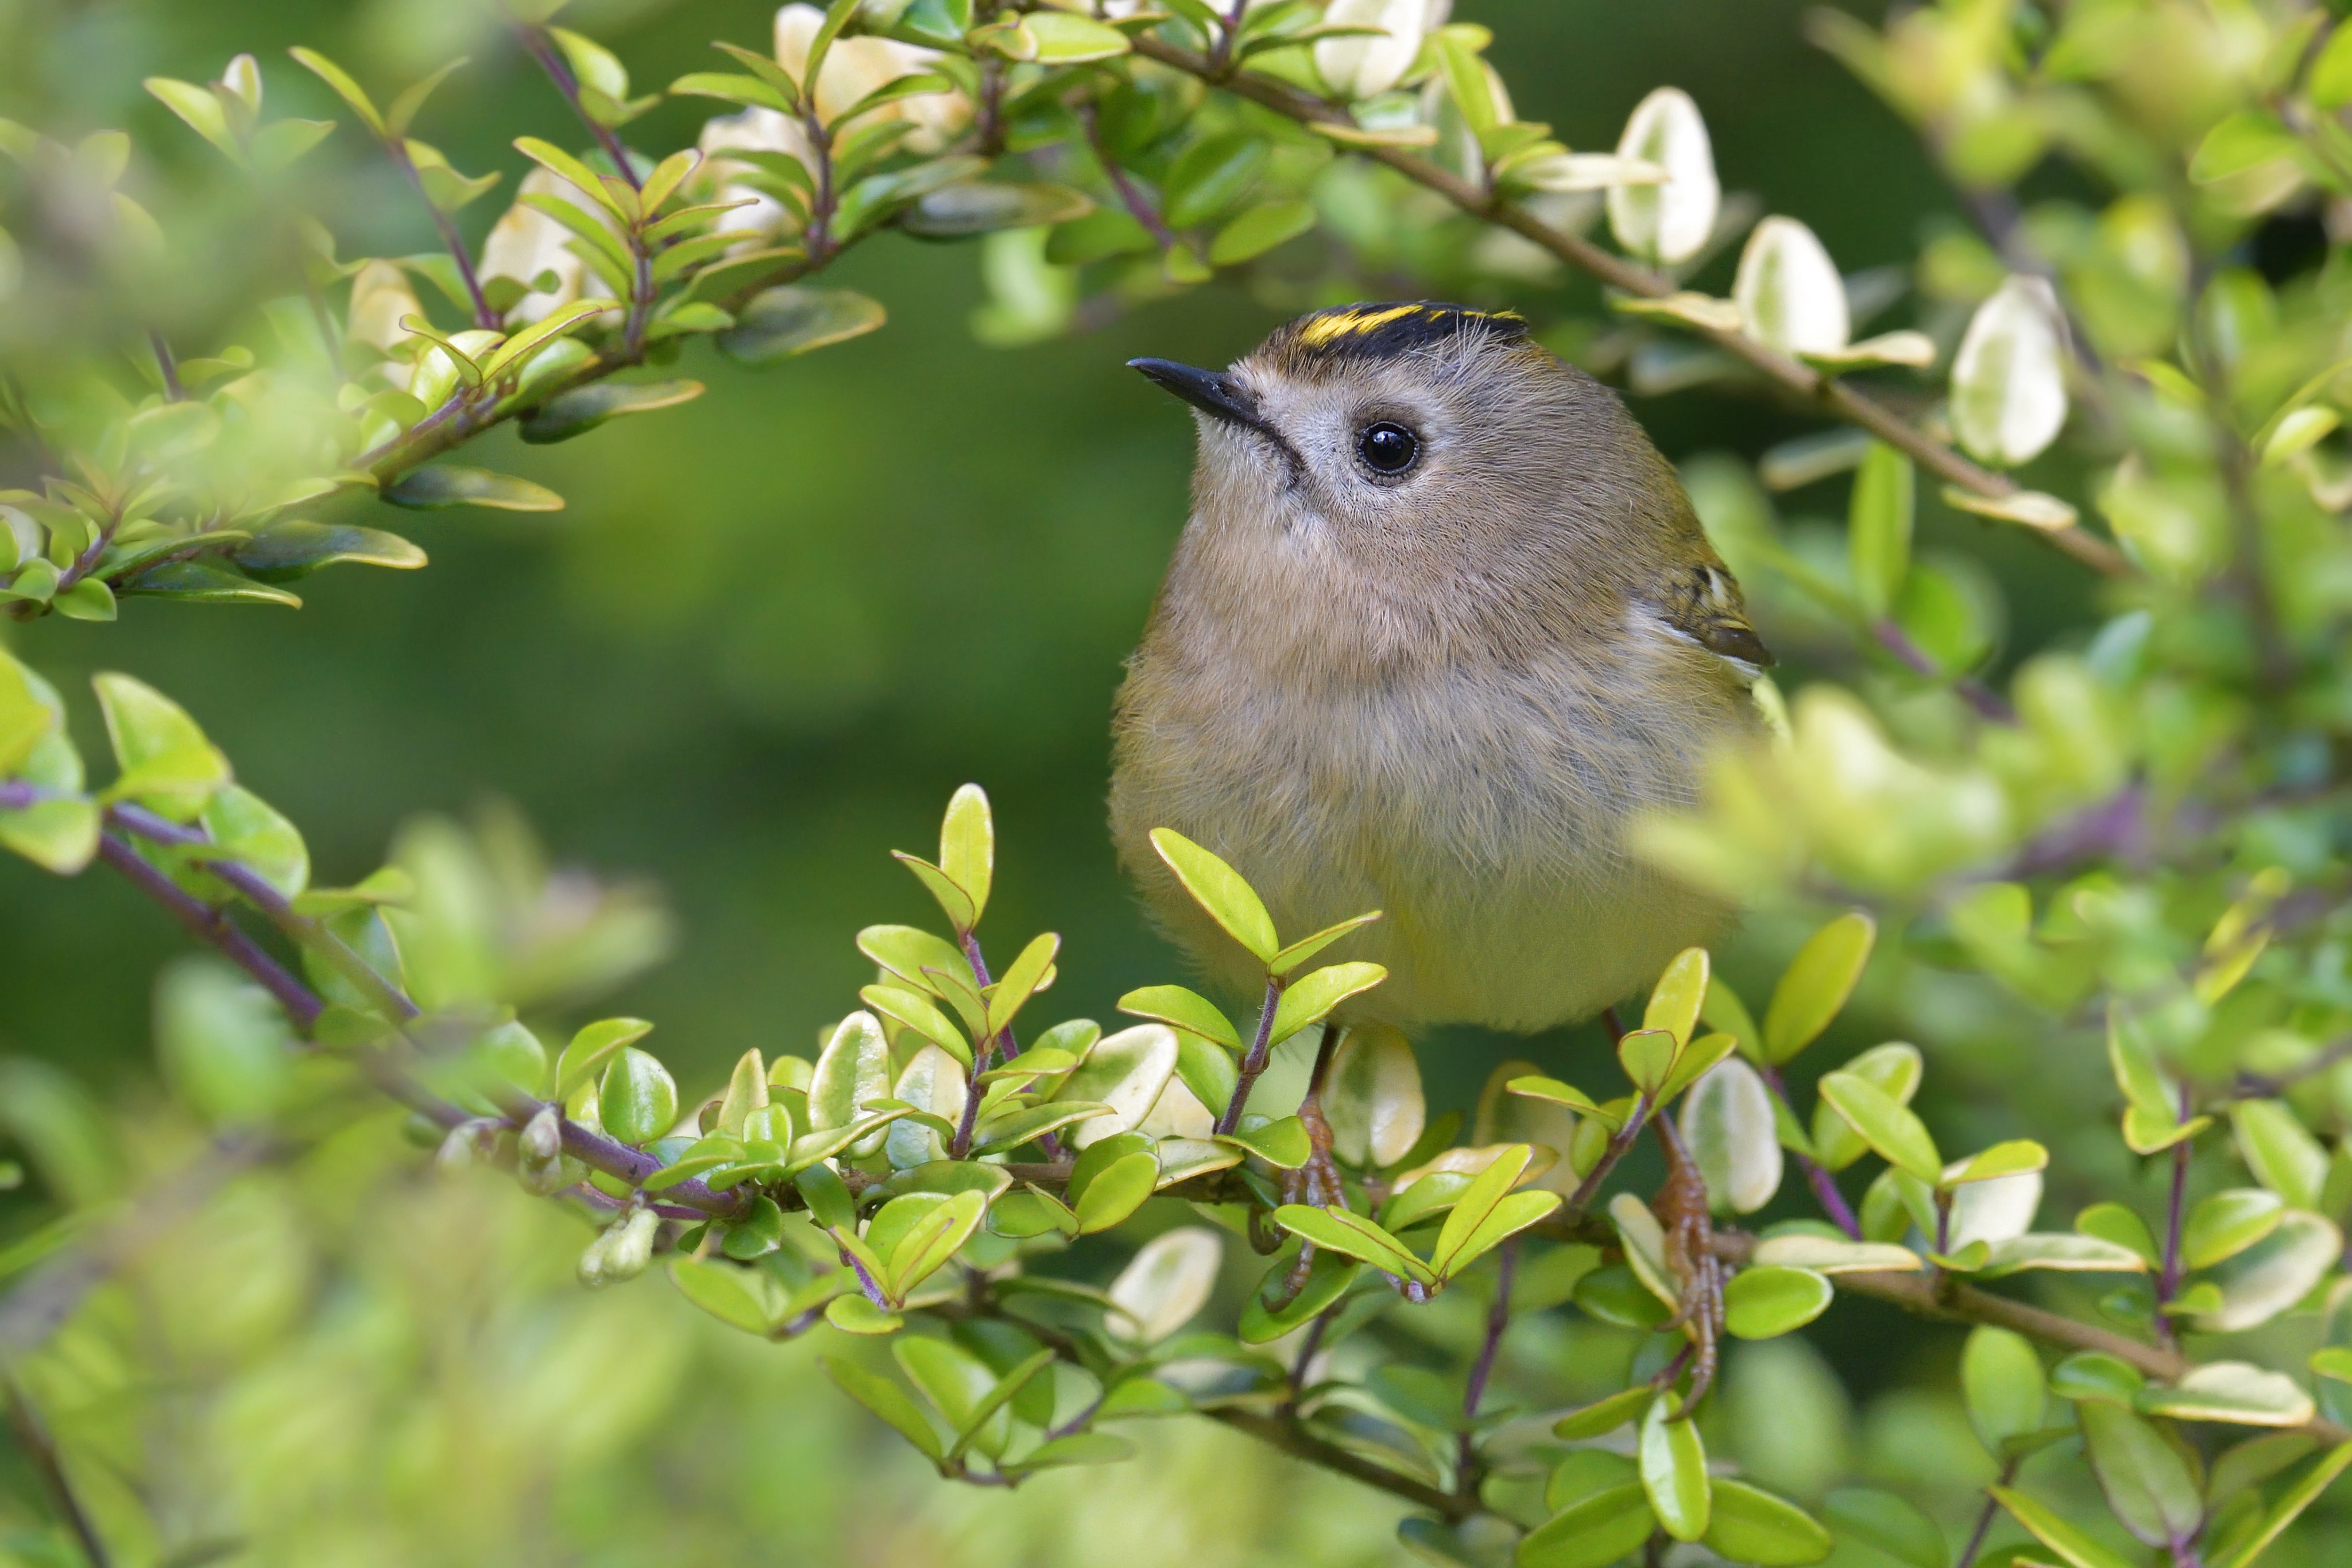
x=1682, y=1210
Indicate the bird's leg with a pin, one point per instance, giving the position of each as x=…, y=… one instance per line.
x=1682, y=1211
x=1316, y=1182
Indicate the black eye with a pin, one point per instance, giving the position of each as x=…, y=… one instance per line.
x=1389, y=448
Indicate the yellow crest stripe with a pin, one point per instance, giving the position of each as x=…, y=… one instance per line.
x=1352, y=323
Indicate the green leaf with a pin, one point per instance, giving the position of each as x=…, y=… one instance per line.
x=966, y=207
x=1186, y=1009
x=517, y=350
x=1761, y=1304
x=1697, y=1060
x=582, y=409
x=1032, y=969
x=853, y=1071
x=2074, y=1546
x=1895, y=1066
x=1673, y=1470
x=968, y=846
x=345, y=87
x=784, y=322
x=1023, y=1123
x=885, y=1398
x=1886, y=1125
x=1484, y=1215
x=2016, y=1157
x=1065, y=39
x=852, y=1313
x=1352, y=1235
x=2329, y=85
x=1127, y=1071
x=728, y=1294
x=1878, y=536
x=1675, y=999
x=914, y=1011
x=1815, y=986
x=2151, y=1485
x=1648, y=1056
x=88, y=600
x=248, y=830
x=2233, y=1391
x=202, y=583
x=1373, y=1097
x=2226, y=1223
x=1593, y=1533
x=167, y=764
x=1604, y=1415
x=2295, y=1498
x=2008, y=1397
x=200, y=109
x=906, y=951
x=591, y=1048
x=1556, y=1092
x=1283, y=1144
x=933, y=1240
x=1116, y=1191
x=406, y=107
x=637, y=1101
x=1219, y=890
x=957, y=905
x=1211, y=176
x=1308, y=999
x=2279, y=1151
x=294, y=548
x=1829, y=1255
x=448, y=484
x=1749, y=1525
x=1889, y=1523
x=1254, y=232
x=1328, y=1275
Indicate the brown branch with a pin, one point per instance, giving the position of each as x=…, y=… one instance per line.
x=1286, y=1433
x=1833, y=396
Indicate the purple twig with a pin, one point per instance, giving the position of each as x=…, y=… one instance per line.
x=213, y=926
x=1498, y=1320
x=485, y=318
x=1253, y=1063
x=2176, y=1215
x=1817, y=1175
x=1988, y=702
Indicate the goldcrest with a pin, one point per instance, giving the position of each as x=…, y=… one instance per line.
x=1442, y=624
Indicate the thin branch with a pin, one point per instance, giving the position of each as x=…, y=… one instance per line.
x=1990, y=1511
x=1833, y=395
x=2176, y=1215
x=1138, y=205
x=1988, y=702
x=1619, y=1142
x=1954, y=1301
x=167, y=367
x=1253, y=1063
x=540, y=48
x=1286, y=1433
x=32, y=1438
x=213, y=927
x=279, y=910
x=451, y=240
x=1499, y=1322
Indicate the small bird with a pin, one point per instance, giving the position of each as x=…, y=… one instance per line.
x=1442, y=624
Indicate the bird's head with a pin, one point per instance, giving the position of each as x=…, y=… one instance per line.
x=1424, y=439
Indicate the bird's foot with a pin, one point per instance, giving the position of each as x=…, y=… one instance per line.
x=1681, y=1206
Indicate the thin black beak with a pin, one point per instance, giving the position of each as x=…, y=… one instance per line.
x=1211, y=391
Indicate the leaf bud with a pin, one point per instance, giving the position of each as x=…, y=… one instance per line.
x=622, y=1252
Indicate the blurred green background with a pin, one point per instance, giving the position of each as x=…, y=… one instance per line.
x=770, y=633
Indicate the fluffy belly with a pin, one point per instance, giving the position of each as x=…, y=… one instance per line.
x=1489, y=830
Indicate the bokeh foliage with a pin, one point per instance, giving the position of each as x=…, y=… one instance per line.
x=762, y=633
